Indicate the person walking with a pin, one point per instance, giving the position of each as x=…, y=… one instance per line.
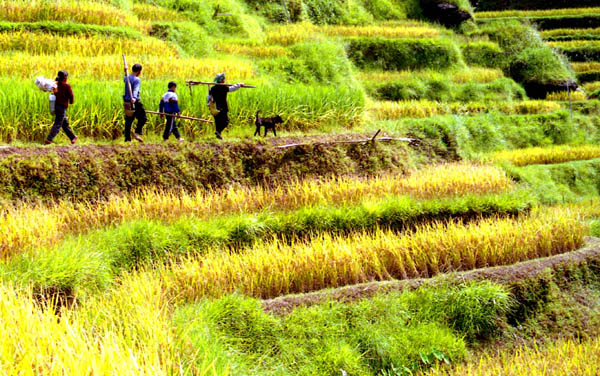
x=218, y=94
x=133, y=98
x=169, y=104
x=64, y=97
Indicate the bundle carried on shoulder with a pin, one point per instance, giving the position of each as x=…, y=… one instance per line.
x=45, y=84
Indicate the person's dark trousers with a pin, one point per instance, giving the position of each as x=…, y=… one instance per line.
x=140, y=115
x=221, y=121
x=60, y=121
x=171, y=127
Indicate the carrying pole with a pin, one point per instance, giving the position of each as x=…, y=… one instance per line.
x=179, y=116
x=194, y=83
x=127, y=81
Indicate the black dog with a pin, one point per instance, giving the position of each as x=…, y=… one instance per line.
x=268, y=123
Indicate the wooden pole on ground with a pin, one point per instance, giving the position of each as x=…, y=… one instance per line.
x=179, y=116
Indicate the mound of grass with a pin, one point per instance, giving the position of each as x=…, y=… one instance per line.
x=188, y=36
x=483, y=54
x=388, y=333
x=402, y=54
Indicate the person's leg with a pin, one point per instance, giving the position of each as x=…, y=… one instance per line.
x=59, y=117
x=223, y=121
x=140, y=114
x=67, y=129
x=128, y=122
x=175, y=130
x=168, y=127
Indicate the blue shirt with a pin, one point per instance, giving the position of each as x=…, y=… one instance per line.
x=136, y=84
x=169, y=103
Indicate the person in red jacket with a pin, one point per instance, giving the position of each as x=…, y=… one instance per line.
x=64, y=97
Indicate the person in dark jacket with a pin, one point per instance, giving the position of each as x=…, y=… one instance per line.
x=64, y=97
x=219, y=95
x=169, y=104
x=134, y=99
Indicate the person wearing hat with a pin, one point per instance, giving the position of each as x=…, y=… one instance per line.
x=64, y=97
x=219, y=96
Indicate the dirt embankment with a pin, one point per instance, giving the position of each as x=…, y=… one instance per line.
x=506, y=275
x=94, y=172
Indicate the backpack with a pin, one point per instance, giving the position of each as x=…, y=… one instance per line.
x=212, y=105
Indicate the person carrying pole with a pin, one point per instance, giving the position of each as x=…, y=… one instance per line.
x=64, y=97
x=169, y=105
x=218, y=95
x=132, y=98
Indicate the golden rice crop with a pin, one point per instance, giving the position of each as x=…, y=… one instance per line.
x=110, y=67
x=149, y=12
x=256, y=51
x=479, y=75
x=538, y=13
x=292, y=34
x=564, y=96
x=573, y=44
x=569, y=32
x=279, y=267
x=586, y=67
x=86, y=12
x=591, y=86
x=48, y=44
x=388, y=110
x=126, y=332
x=549, y=155
x=26, y=225
x=380, y=31
x=566, y=357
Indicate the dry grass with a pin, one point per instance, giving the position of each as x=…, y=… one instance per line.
x=550, y=155
x=109, y=67
x=387, y=110
x=567, y=357
x=85, y=12
x=24, y=226
x=279, y=268
x=479, y=75
x=48, y=44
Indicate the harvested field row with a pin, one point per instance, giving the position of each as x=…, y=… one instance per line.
x=277, y=269
x=550, y=155
x=41, y=224
x=423, y=108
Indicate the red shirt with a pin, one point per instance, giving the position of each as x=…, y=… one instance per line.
x=64, y=94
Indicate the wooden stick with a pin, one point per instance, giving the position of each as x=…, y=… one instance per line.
x=179, y=116
x=192, y=83
x=382, y=139
x=127, y=80
x=376, y=134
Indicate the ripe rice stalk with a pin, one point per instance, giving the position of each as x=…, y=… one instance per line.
x=292, y=34
x=19, y=65
x=569, y=32
x=85, y=12
x=479, y=75
x=548, y=155
x=53, y=222
x=564, y=96
x=48, y=44
x=152, y=13
x=575, y=44
x=586, y=67
x=591, y=86
x=379, y=31
x=278, y=268
x=387, y=110
x=538, y=13
x=565, y=357
x=255, y=51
